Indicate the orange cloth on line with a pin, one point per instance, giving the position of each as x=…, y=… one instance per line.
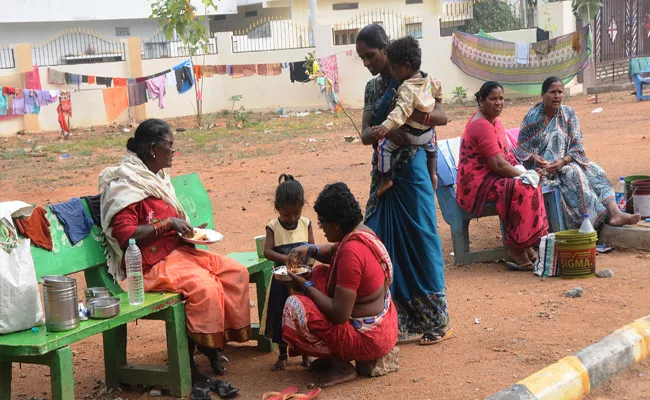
x=91, y=80
x=36, y=228
x=198, y=72
x=116, y=101
x=119, y=82
x=209, y=71
x=244, y=70
x=221, y=69
x=275, y=69
x=215, y=289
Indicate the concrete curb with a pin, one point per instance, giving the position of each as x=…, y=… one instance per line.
x=575, y=376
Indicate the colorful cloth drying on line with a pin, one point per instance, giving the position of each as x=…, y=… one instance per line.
x=495, y=60
x=330, y=67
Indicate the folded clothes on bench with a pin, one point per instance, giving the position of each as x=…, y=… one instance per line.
x=76, y=221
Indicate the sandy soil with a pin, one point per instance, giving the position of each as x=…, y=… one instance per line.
x=525, y=322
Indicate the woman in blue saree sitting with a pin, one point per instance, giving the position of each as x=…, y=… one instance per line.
x=404, y=217
x=551, y=139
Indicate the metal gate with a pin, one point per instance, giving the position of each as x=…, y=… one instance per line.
x=621, y=32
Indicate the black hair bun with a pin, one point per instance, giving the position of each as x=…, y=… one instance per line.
x=130, y=145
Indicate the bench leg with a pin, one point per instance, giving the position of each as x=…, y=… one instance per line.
x=460, y=240
x=262, y=282
x=5, y=379
x=61, y=373
x=178, y=355
x=114, y=354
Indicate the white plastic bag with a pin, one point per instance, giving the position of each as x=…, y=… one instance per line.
x=547, y=257
x=20, y=301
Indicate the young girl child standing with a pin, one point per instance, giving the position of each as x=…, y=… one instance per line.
x=290, y=229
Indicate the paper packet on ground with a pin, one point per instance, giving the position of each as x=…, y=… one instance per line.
x=547, y=257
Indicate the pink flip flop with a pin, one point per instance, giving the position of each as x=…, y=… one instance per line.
x=288, y=391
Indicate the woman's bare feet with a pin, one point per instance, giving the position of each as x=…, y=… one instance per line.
x=520, y=256
x=320, y=364
x=386, y=183
x=532, y=255
x=340, y=372
x=281, y=363
x=620, y=218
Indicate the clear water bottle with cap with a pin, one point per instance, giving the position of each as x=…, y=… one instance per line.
x=134, y=279
x=619, y=190
x=586, y=226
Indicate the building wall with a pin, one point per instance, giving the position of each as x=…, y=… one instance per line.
x=92, y=10
x=38, y=32
x=264, y=92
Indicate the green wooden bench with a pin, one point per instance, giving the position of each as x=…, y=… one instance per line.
x=53, y=348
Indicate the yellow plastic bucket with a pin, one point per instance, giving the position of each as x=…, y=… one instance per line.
x=576, y=254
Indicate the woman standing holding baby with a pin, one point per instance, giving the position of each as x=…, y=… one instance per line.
x=404, y=215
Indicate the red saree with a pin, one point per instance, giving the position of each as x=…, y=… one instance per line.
x=307, y=330
x=520, y=206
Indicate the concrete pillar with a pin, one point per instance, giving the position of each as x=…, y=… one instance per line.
x=23, y=54
x=312, y=16
x=134, y=61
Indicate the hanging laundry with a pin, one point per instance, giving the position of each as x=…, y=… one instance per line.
x=211, y=70
x=137, y=94
x=18, y=106
x=116, y=101
x=47, y=97
x=198, y=72
x=329, y=66
x=229, y=70
x=84, y=78
x=63, y=110
x=55, y=77
x=275, y=69
x=184, y=77
x=119, y=82
x=221, y=69
x=170, y=77
x=74, y=218
x=243, y=70
x=522, y=53
x=15, y=80
x=31, y=104
x=156, y=87
x=8, y=91
x=576, y=42
x=94, y=207
x=131, y=81
x=298, y=72
x=4, y=104
x=72, y=79
x=101, y=81
x=91, y=80
x=540, y=48
x=262, y=69
x=36, y=228
x=141, y=79
x=285, y=65
x=33, y=79
x=109, y=82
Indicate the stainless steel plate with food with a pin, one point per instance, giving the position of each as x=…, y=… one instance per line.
x=202, y=236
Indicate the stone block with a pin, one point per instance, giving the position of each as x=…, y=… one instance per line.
x=382, y=366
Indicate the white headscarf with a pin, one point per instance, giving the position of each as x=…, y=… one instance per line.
x=122, y=186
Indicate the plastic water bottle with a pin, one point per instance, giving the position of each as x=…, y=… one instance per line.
x=621, y=201
x=586, y=226
x=134, y=280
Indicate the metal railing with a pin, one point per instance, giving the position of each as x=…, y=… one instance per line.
x=78, y=46
x=394, y=23
x=272, y=34
x=158, y=46
x=489, y=15
x=7, y=59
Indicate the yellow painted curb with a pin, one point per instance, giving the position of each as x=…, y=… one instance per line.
x=566, y=379
x=640, y=332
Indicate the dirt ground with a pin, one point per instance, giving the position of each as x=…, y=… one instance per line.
x=525, y=322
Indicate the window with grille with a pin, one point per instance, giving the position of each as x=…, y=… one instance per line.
x=345, y=36
x=414, y=29
x=123, y=31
